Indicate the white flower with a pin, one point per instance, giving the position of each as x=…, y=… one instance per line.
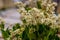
x=45, y=15
x=20, y=4
x=1, y=20
x=54, y=4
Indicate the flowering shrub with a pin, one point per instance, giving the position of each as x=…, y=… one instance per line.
x=38, y=22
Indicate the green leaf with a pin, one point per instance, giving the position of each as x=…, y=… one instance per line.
x=2, y=25
x=5, y=34
x=8, y=31
x=38, y=5
x=16, y=26
x=27, y=8
x=24, y=21
x=25, y=34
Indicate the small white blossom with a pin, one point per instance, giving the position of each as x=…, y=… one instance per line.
x=45, y=15
x=1, y=20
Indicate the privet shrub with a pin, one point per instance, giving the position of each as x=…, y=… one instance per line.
x=38, y=23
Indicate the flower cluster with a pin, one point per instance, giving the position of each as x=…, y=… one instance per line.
x=44, y=15
x=38, y=22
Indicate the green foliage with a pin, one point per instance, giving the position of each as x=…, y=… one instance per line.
x=43, y=32
x=30, y=31
x=16, y=26
x=24, y=21
x=33, y=32
x=27, y=8
x=5, y=34
x=25, y=34
x=38, y=5
x=2, y=25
